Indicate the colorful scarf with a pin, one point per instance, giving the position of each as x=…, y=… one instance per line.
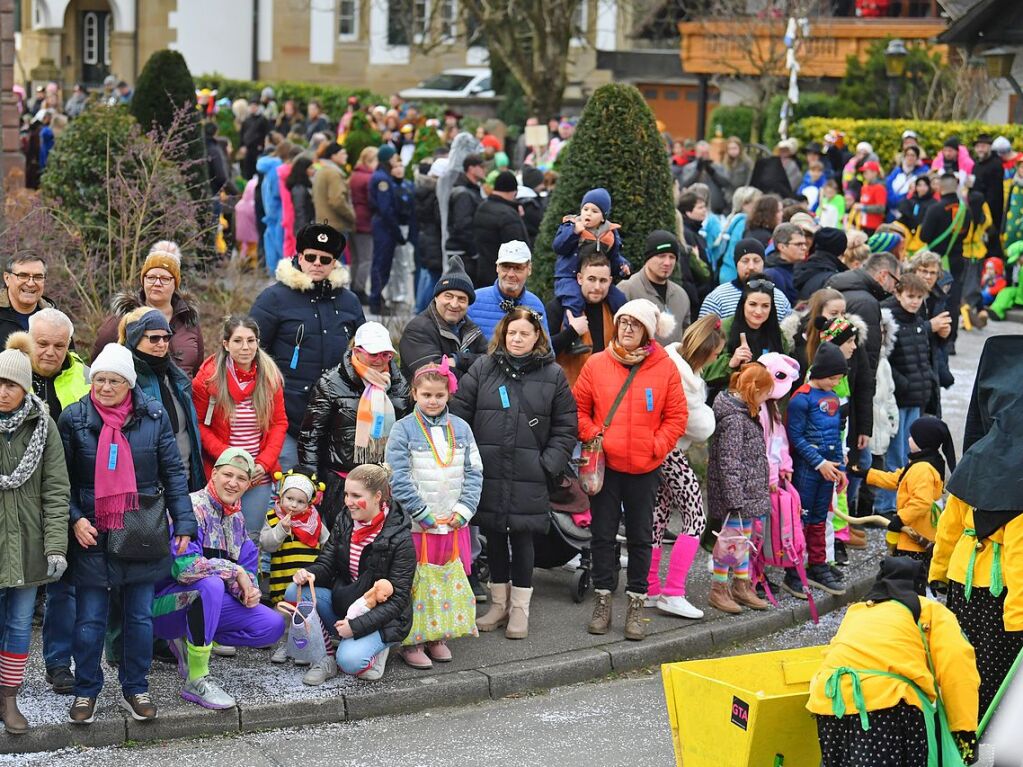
x=37, y=442
x=371, y=529
x=228, y=510
x=375, y=416
x=305, y=526
x=115, y=484
x=628, y=359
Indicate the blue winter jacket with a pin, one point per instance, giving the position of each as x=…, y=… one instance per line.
x=814, y=424
x=157, y=462
x=384, y=202
x=270, y=189
x=486, y=310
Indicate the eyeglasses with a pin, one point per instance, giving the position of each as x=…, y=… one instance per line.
x=113, y=383
x=760, y=284
x=153, y=279
x=26, y=277
x=157, y=338
x=378, y=355
x=311, y=258
x=627, y=323
x=801, y=244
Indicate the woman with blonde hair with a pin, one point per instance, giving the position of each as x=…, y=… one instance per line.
x=238, y=395
x=360, y=245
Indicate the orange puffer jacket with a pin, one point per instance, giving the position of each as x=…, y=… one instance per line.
x=650, y=419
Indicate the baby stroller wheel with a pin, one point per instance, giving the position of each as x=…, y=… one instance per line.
x=580, y=584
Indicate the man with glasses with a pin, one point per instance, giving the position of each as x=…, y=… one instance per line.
x=514, y=265
x=25, y=278
x=749, y=261
x=791, y=246
x=864, y=290
x=306, y=320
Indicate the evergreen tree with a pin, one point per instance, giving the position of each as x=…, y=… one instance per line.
x=361, y=134
x=616, y=146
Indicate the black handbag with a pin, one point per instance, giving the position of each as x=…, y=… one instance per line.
x=145, y=536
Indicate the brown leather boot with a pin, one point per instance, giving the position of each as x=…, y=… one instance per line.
x=743, y=593
x=518, y=613
x=601, y=620
x=721, y=599
x=857, y=538
x=14, y=722
x=497, y=615
x=635, y=629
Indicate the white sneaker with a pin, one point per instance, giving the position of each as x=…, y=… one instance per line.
x=280, y=654
x=678, y=606
x=374, y=672
x=325, y=668
x=650, y=601
x=208, y=693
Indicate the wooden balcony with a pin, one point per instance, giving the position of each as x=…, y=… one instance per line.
x=750, y=46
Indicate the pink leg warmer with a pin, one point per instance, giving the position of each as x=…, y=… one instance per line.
x=654, y=576
x=682, y=555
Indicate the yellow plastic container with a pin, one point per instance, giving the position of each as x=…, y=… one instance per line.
x=744, y=711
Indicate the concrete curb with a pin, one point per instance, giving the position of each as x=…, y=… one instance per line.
x=451, y=689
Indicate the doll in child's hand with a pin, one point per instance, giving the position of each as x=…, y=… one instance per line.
x=381, y=592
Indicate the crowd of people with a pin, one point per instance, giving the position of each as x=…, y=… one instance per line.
x=194, y=499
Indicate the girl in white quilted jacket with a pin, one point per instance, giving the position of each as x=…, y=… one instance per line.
x=886, y=410
x=680, y=489
x=438, y=478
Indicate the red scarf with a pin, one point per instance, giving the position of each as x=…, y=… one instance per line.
x=228, y=510
x=236, y=376
x=305, y=526
x=371, y=528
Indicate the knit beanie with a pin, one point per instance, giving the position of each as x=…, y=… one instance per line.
x=299, y=482
x=660, y=241
x=506, y=182
x=748, y=245
x=599, y=197
x=829, y=361
x=455, y=278
x=656, y=322
x=135, y=324
x=532, y=177
x=164, y=255
x=15, y=363
x=838, y=330
x=930, y=433
x=385, y=153
x=884, y=242
x=830, y=240
x=115, y=359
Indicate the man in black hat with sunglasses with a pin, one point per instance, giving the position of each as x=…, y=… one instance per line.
x=306, y=320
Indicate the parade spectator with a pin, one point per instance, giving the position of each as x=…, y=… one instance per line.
x=360, y=245
x=738, y=168
x=829, y=244
x=77, y=101
x=270, y=194
x=721, y=248
x=864, y=290
x=24, y=280
x=299, y=184
x=943, y=229
x=873, y=198
x=239, y=395
x=653, y=282
x=160, y=278
x=254, y=131
x=651, y=418
x=351, y=411
x=901, y=182
x=306, y=320
x=108, y=484
x=387, y=231
x=701, y=169
x=766, y=215
x=443, y=329
x=790, y=248
x=749, y=261
x=34, y=498
x=331, y=196
x=497, y=220
x=989, y=181
x=317, y=122
x=534, y=198
x=463, y=200
x=429, y=250
x=927, y=265
x=514, y=265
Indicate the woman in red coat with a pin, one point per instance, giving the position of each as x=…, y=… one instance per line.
x=648, y=422
x=251, y=416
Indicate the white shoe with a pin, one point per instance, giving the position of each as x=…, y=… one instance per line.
x=375, y=671
x=224, y=650
x=280, y=654
x=678, y=606
x=321, y=671
x=650, y=601
x=207, y=693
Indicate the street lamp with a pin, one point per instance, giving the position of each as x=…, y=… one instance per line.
x=895, y=69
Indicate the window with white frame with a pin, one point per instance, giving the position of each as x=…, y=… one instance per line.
x=397, y=24
x=448, y=12
x=580, y=19
x=348, y=20
x=90, y=39
x=420, y=19
x=108, y=36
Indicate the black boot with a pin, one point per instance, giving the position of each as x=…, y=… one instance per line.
x=821, y=577
x=792, y=584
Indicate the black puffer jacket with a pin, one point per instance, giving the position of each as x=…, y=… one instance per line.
x=863, y=296
x=428, y=250
x=496, y=222
x=515, y=470
x=911, y=358
x=427, y=338
x=811, y=275
x=390, y=556
x=465, y=198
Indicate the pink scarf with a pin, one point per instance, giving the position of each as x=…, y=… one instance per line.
x=116, y=489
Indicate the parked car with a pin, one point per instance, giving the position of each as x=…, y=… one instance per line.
x=453, y=84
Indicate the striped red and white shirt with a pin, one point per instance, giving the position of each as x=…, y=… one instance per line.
x=355, y=551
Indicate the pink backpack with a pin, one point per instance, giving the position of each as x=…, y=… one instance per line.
x=781, y=542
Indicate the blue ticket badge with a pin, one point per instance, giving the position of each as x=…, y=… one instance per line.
x=378, y=426
x=504, y=397
x=112, y=460
x=650, y=400
x=294, y=357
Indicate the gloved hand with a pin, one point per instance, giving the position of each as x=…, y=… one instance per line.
x=56, y=564
x=857, y=471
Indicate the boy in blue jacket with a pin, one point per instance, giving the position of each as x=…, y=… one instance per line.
x=814, y=423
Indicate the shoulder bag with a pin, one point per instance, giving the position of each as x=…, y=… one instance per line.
x=591, y=457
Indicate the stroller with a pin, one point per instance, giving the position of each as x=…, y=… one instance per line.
x=565, y=539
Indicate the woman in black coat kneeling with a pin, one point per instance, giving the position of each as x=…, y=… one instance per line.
x=523, y=416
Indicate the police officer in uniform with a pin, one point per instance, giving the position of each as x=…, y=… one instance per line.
x=387, y=234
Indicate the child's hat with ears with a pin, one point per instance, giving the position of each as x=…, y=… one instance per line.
x=305, y=483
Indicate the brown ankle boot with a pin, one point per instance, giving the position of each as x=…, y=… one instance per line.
x=743, y=593
x=601, y=620
x=635, y=629
x=518, y=613
x=14, y=722
x=497, y=615
x=721, y=600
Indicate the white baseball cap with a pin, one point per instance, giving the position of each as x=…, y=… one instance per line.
x=514, y=252
x=374, y=338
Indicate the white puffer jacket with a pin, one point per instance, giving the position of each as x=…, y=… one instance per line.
x=700, y=424
x=886, y=410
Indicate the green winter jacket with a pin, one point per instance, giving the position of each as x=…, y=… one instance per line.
x=33, y=517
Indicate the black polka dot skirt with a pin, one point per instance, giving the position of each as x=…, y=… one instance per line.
x=981, y=622
x=897, y=738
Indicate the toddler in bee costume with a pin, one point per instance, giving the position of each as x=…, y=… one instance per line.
x=293, y=532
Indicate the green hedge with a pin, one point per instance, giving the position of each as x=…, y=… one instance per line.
x=886, y=135
x=810, y=105
x=734, y=121
x=334, y=99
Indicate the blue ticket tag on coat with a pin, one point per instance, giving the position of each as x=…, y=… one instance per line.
x=294, y=357
x=650, y=400
x=378, y=426
x=112, y=460
x=504, y=397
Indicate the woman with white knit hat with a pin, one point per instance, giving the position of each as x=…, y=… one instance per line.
x=34, y=515
x=631, y=395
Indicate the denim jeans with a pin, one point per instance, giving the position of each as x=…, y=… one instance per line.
x=16, y=609
x=255, y=502
x=896, y=457
x=289, y=454
x=426, y=281
x=136, y=633
x=58, y=624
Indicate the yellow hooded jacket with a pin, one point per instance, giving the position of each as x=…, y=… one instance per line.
x=915, y=496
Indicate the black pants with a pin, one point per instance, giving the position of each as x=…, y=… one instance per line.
x=516, y=566
x=897, y=738
x=637, y=493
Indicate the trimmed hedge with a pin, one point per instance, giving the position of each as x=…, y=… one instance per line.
x=616, y=146
x=886, y=135
x=734, y=121
x=334, y=99
x=810, y=105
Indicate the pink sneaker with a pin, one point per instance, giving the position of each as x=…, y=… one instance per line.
x=416, y=657
x=438, y=651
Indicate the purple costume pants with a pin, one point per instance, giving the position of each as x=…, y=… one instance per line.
x=204, y=612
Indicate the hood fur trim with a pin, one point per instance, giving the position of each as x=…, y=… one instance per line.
x=790, y=327
x=128, y=301
x=889, y=331
x=296, y=279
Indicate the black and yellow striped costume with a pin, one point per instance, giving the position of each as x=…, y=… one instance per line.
x=292, y=555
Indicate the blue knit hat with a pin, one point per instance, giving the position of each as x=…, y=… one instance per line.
x=154, y=319
x=385, y=153
x=599, y=197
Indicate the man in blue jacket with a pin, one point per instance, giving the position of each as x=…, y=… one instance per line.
x=514, y=265
x=387, y=234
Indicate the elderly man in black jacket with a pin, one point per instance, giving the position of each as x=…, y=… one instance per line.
x=864, y=290
x=498, y=220
x=443, y=328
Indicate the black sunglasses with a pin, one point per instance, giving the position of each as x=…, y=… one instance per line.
x=158, y=338
x=311, y=258
x=760, y=284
